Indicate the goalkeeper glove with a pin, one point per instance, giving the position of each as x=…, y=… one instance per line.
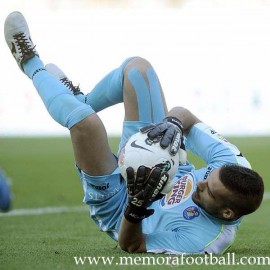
x=142, y=190
x=170, y=131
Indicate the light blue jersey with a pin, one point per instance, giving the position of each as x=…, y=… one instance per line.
x=178, y=224
x=181, y=226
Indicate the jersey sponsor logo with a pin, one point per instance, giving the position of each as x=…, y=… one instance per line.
x=181, y=191
x=209, y=170
x=191, y=212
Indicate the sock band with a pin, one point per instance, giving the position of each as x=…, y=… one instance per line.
x=109, y=91
x=38, y=70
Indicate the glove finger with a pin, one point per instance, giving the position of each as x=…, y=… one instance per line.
x=140, y=179
x=167, y=138
x=161, y=179
x=130, y=180
x=151, y=188
x=175, y=143
x=147, y=128
x=182, y=145
x=158, y=130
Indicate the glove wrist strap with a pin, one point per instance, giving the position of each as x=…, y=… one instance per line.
x=136, y=214
x=175, y=121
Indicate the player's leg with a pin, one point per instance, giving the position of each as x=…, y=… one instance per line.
x=134, y=82
x=106, y=93
x=89, y=138
x=143, y=95
x=144, y=100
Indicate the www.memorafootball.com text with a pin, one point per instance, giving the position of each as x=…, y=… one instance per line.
x=206, y=259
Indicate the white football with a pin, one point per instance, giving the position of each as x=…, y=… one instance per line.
x=140, y=150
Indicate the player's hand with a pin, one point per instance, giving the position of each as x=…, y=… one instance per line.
x=142, y=190
x=170, y=131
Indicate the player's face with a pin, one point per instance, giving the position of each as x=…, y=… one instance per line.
x=211, y=195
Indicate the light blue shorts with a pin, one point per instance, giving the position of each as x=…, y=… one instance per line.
x=106, y=195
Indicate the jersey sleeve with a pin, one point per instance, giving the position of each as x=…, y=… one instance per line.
x=214, y=149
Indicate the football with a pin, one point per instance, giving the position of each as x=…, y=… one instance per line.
x=140, y=150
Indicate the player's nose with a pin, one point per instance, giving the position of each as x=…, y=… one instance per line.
x=201, y=185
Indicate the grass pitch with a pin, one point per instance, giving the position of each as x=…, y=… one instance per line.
x=43, y=175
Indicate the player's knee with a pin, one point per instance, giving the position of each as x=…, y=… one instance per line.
x=86, y=127
x=136, y=76
x=139, y=63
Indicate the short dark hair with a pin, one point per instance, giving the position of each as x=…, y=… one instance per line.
x=246, y=184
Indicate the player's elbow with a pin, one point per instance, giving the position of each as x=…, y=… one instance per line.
x=132, y=247
x=127, y=248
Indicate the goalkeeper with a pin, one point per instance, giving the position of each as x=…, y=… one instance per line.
x=206, y=205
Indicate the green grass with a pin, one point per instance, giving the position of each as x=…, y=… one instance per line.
x=42, y=174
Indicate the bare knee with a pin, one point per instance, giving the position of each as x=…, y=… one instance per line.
x=139, y=63
x=135, y=66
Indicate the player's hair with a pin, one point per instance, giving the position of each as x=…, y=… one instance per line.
x=247, y=186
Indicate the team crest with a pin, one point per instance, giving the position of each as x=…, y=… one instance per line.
x=191, y=212
x=180, y=192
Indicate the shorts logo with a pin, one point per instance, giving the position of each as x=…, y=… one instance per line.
x=104, y=187
x=191, y=212
x=181, y=191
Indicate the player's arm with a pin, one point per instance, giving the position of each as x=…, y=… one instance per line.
x=187, y=118
x=131, y=238
x=142, y=190
x=205, y=142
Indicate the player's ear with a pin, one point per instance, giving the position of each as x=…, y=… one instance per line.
x=228, y=213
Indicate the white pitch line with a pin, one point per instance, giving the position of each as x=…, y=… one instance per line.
x=45, y=210
x=63, y=209
x=266, y=196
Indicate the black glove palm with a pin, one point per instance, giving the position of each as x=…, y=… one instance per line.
x=142, y=190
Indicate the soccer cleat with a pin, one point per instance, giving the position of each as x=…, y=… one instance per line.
x=5, y=194
x=18, y=38
x=58, y=73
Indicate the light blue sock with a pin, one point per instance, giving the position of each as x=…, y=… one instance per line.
x=59, y=101
x=108, y=92
x=148, y=92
